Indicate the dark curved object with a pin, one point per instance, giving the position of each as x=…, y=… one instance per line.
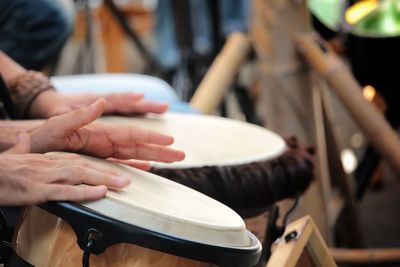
x=109, y=231
x=250, y=188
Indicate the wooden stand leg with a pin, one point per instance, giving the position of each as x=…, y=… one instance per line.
x=366, y=256
x=299, y=236
x=371, y=121
x=294, y=104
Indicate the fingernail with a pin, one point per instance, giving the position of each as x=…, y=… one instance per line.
x=122, y=180
x=94, y=103
x=101, y=190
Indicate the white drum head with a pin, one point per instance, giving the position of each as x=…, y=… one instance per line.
x=158, y=204
x=210, y=140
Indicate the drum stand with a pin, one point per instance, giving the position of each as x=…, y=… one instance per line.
x=274, y=231
x=281, y=32
x=335, y=195
x=370, y=120
x=293, y=103
x=301, y=243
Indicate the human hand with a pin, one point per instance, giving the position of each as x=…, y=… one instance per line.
x=51, y=103
x=76, y=132
x=35, y=178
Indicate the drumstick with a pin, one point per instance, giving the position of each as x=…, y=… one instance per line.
x=370, y=120
x=221, y=73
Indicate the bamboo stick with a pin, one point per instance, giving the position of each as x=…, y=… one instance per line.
x=370, y=120
x=219, y=77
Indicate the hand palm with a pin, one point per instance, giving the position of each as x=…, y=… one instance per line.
x=75, y=132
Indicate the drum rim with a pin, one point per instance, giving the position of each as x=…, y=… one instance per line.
x=73, y=214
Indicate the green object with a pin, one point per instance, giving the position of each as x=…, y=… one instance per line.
x=382, y=22
x=328, y=12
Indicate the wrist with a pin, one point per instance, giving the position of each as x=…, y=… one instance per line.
x=25, y=91
x=43, y=104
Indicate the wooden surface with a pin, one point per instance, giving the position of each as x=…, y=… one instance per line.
x=288, y=98
x=221, y=74
x=114, y=40
x=46, y=241
x=293, y=103
x=288, y=253
x=366, y=256
x=211, y=140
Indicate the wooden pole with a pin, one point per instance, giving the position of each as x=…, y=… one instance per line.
x=366, y=256
x=289, y=102
x=221, y=74
x=370, y=120
x=293, y=104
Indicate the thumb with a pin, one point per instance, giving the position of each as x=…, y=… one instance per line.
x=60, y=110
x=78, y=118
x=23, y=145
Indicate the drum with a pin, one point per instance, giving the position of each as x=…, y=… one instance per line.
x=244, y=166
x=152, y=222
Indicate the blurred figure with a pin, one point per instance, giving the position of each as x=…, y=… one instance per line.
x=33, y=33
x=234, y=16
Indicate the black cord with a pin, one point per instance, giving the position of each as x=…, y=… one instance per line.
x=87, y=251
x=292, y=208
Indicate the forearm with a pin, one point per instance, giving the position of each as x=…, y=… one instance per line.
x=9, y=69
x=31, y=92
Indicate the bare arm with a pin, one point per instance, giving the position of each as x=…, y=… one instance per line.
x=35, y=97
x=31, y=91
x=9, y=69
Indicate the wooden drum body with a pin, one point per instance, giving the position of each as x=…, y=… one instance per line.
x=244, y=166
x=152, y=222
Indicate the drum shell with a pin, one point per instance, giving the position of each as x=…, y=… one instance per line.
x=43, y=239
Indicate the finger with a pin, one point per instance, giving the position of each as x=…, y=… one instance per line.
x=145, y=106
x=61, y=110
x=86, y=175
x=128, y=136
x=122, y=97
x=72, y=160
x=139, y=164
x=149, y=152
x=56, y=192
x=121, y=102
x=77, y=118
x=23, y=145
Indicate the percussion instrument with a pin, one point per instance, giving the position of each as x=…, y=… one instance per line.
x=152, y=222
x=239, y=164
